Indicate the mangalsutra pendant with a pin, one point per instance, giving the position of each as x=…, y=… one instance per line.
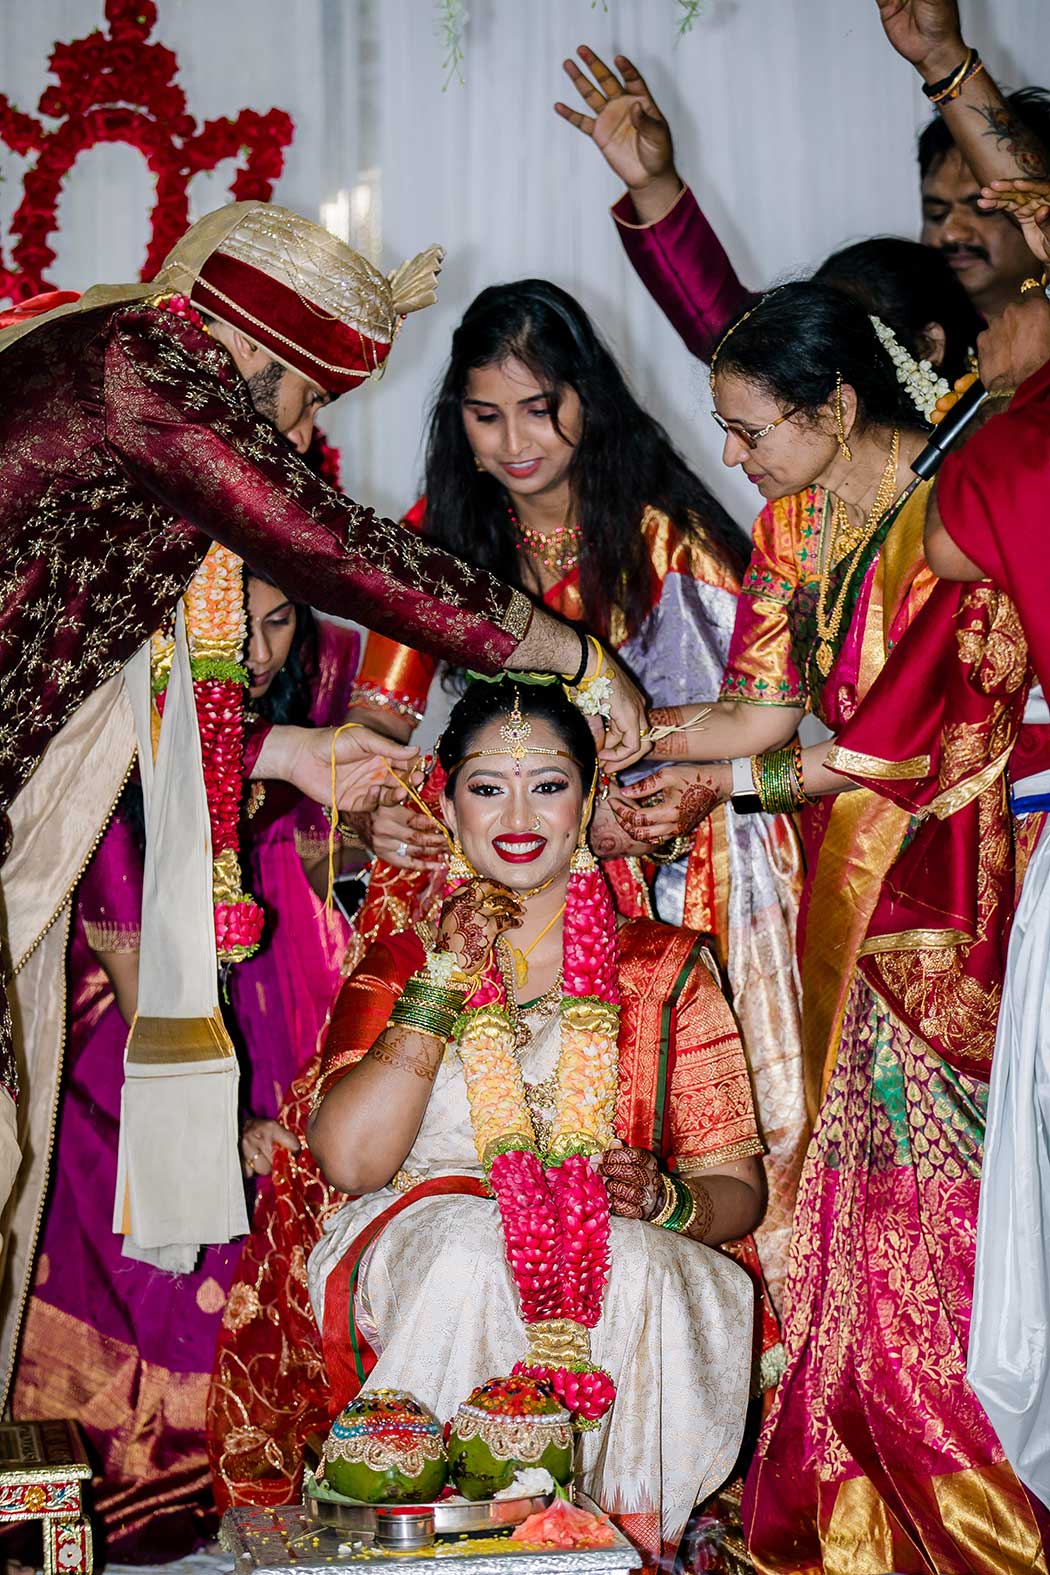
x=825, y=657
x=521, y=966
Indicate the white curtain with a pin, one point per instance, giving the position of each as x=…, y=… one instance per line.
x=793, y=120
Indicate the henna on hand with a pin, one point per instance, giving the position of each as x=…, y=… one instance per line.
x=696, y=803
x=473, y=919
x=632, y=1179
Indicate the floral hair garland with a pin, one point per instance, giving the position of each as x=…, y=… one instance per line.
x=923, y=384
x=215, y=629
x=553, y=1205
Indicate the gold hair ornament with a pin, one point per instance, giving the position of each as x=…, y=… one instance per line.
x=731, y=330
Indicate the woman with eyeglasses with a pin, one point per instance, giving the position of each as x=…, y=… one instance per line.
x=875, y=1442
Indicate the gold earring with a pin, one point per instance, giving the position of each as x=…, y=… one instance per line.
x=478, y=465
x=459, y=866
x=844, y=447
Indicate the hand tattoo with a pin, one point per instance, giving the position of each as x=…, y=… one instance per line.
x=1013, y=138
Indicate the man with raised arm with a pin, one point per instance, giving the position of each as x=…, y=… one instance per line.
x=140, y=423
x=680, y=259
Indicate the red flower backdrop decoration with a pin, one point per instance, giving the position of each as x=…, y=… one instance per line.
x=119, y=87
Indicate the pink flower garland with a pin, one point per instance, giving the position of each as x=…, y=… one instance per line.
x=555, y=1216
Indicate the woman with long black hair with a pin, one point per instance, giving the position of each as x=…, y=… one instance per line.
x=543, y=467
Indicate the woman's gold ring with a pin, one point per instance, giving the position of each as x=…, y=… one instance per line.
x=1031, y=284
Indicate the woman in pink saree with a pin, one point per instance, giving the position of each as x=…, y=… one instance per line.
x=120, y=1346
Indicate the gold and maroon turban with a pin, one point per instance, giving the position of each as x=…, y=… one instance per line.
x=301, y=293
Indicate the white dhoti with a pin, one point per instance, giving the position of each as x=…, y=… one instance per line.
x=1009, y=1352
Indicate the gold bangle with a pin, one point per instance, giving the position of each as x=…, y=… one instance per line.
x=669, y=1204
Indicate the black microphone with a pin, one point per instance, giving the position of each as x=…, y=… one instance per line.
x=955, y=422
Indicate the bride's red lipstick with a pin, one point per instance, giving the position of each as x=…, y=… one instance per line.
x=519, y=848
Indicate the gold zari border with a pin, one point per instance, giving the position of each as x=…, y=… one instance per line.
x=158, y=1040
x=915, y=941
x=696, y=1164
x=849, y=760
x=955, y=798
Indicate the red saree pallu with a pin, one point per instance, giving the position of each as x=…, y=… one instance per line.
x=992, y=498
x=936, y=942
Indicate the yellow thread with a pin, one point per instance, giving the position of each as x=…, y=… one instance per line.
x=655, y=735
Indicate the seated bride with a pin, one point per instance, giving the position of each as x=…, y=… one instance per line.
x=548, y=1132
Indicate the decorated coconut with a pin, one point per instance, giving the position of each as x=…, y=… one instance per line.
x=505, y=1426
x=385, y=1448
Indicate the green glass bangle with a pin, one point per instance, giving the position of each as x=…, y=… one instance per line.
x=778, y=785
x=685, y=1208
x=428, y=1019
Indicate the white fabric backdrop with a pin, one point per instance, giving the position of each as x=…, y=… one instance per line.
x=793, y=120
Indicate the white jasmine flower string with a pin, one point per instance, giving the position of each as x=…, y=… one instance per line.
x=923, y=384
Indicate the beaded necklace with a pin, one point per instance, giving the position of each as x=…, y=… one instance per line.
x=557, y=550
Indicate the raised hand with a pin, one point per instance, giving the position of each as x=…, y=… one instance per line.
x=626, y=126
x=303, y=757
x=472, y=921
x=627, y=720
x=926, y=32
x=1027, y=201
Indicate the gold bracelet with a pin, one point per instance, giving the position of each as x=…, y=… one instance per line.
x=669, y=852
x=670, y=1202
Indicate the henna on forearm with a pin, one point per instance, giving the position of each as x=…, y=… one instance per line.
x=401, y=1049
x=704, y=1218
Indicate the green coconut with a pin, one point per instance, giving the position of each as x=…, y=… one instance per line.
x=474, y=1468
x=385, y=1448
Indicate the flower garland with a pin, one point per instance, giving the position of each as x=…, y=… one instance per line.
x=216, y=629
x=923, y=384
x=554, y=1207
x=120, y=87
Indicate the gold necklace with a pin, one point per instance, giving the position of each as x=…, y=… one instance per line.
x=857, y=539
x=558, y=551
x=544, y=1005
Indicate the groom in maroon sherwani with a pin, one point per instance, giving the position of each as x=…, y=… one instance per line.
x=139, y=423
